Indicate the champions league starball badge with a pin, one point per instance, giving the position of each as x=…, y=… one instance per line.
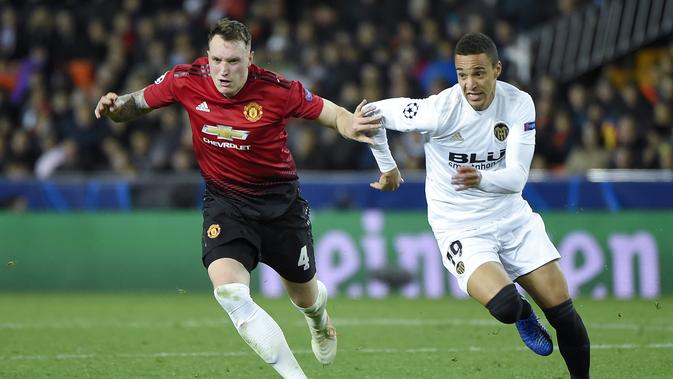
x=410, y=111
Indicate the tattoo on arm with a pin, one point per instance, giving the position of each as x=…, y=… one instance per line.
x=130, y=106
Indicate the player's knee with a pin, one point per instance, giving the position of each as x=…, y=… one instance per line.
x=506, y=305
x=232, y=296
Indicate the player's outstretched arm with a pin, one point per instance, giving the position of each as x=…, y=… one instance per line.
x=348, y=125
x=390, y=179
x=122, y=108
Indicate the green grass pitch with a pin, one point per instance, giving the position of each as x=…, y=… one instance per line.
x=187, y=335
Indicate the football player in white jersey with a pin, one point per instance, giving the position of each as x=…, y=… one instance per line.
x=479, y=139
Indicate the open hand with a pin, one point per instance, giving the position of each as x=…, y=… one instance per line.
x=389, y=181
x=364, y=124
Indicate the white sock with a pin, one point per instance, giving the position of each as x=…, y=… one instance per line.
x=316, y=314
x=258, y=329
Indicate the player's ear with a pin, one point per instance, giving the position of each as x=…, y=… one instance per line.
x=250, y=57
x=498, y=69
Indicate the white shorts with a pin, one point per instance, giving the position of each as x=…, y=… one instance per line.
x=519, y=242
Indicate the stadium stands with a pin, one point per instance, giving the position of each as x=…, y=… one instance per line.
x=57, y=59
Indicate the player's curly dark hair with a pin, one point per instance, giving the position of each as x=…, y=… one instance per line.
x=477, y=43
x=230, y=30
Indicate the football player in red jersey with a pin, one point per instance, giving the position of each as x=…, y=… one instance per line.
x=252, y=208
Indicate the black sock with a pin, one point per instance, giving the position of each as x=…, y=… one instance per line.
x=526, y=309
x=573, y=340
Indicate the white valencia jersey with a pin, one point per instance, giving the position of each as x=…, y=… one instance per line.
x=498, y=141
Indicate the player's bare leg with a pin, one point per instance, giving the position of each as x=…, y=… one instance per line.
x=311, y=299
x=546, y=285
x=549, y=289
x=486, y=281
x=231, y=282
x=491, y=287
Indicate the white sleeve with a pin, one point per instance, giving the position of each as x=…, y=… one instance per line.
x=518, y=156
x=381, y=151
x=513, y=177
x=408, y=115
x=404, y=115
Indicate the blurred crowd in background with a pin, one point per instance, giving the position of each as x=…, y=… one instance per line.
x=57, y=59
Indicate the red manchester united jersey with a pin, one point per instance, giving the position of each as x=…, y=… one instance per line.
x=240, y=142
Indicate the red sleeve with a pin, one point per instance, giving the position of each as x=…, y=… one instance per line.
x=302, y=103
x=160, y=93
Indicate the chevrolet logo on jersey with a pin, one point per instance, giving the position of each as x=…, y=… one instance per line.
x=225, y=132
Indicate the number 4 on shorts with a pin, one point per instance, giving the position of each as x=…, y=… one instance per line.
x=303, y=259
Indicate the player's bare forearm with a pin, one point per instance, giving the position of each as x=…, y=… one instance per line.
x=329, y=115
x=130, y=106
x=122, y=108
x=343, y=120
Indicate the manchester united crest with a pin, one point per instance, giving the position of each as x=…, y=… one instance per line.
x=500, y=130
x=252, y=111
x=213, y=231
